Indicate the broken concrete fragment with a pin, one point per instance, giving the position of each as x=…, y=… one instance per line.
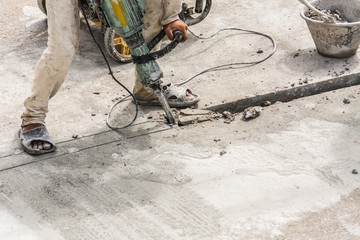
x=266, y=104
x=346, y=101
x=189, y=112
x=186, y=120
x=228, y=115
x=193, y=116
x=252, y=112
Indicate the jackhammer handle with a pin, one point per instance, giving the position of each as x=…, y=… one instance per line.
x=178, y=35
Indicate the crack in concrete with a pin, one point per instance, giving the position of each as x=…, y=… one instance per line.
x=290, y=94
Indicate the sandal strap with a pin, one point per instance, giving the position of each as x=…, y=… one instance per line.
x=36, y=134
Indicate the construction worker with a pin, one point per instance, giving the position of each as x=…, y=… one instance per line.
x=63, y=41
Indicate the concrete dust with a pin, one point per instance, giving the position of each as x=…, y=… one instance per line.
x=285, y=175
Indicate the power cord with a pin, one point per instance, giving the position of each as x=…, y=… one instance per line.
x=179, y=83
x=115, y=79
x=235, y=63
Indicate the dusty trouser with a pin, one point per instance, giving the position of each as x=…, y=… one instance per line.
x=63, y=42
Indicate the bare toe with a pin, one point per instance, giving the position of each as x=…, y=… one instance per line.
x=46, y=145
x=40, y=145
x=34, y=145
x=189, y=96
x=35, y=139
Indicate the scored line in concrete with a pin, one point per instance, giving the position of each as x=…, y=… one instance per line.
x=69, y=147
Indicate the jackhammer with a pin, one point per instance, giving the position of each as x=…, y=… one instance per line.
x=126, y=17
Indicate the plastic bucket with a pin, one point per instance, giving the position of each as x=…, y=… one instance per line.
x=338, y=40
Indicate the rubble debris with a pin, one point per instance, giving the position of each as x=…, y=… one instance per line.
x=229, y=116
x=223, y=152
x=187, y=120
x=336, y=15
x=190, y=112
x=346, y=101
x=266, y=104
x=116, y=99
x=217, y=139
x=194, y=116
x=252, y=112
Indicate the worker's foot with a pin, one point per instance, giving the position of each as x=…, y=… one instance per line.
x=35, y=139
x=176, y=97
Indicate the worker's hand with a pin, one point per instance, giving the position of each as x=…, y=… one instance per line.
x=176, y=25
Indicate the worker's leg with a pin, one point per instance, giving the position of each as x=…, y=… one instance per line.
x=153, y=20
x=151, y=28
x=53, y=66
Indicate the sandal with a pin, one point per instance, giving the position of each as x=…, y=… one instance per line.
x=36, y=134
x=176, y=97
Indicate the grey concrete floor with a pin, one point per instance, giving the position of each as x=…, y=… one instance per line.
x=284, y=175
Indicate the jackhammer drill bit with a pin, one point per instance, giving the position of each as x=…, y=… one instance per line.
x=158, y=90
x=125, y=17
x=159, y=87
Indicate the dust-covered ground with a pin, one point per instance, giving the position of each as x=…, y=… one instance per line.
x=288, y=174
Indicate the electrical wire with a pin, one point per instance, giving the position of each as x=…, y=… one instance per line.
x=114, y=78
x=214, y=67
x=179, y=83
x=235, y=63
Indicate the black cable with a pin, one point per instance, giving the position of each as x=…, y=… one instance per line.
x=156, y=40
x=112, y=75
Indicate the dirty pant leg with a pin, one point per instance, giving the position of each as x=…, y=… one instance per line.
x=54, y=64
x=152, y=26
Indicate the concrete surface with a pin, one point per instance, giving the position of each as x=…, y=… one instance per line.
x=284, y=175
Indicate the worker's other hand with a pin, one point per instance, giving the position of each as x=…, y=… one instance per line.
x=176, y=25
